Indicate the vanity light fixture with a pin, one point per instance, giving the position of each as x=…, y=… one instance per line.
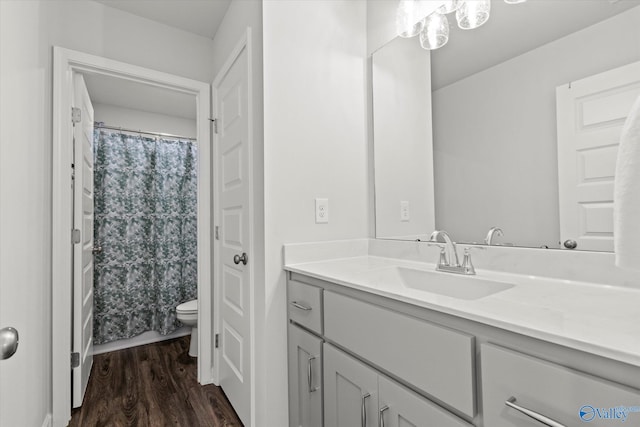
x=413, y=18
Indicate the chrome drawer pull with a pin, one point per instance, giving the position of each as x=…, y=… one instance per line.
x=310, y=376
x=381, y=418
x=296, y=304
x=363, y=410
x=510, y=402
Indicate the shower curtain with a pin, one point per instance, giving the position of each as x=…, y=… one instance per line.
x=145, y=222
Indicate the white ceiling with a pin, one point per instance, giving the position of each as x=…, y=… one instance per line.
x=202, y=17
x=138, y=96
x=513, y=30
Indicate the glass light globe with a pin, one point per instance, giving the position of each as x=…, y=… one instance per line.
x=435, y=33
x=409, y=23
x=473, y=13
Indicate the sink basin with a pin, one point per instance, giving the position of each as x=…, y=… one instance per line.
x=448, y=284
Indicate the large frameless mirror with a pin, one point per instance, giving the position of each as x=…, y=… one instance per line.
x=466, y=137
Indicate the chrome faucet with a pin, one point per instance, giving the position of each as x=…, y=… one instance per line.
x=451, y=250
x=449, y=253
x=493, y=231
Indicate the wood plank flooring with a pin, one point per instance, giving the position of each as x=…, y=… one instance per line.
x=151, y=386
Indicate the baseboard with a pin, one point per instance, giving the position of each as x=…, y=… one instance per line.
x=142, y=339
x=47, y=421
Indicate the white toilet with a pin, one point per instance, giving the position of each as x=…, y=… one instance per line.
x=187, y=313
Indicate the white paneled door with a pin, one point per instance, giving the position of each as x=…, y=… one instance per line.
x=83, y=239
x=233, y=164
x=590, y=114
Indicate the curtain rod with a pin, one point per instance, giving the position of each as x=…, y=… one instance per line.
x=101, y=125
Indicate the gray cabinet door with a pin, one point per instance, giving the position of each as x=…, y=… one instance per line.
x=400, y=407
x=305, y=378
x=350, y=391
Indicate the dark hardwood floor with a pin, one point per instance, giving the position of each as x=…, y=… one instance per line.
x=151, y=386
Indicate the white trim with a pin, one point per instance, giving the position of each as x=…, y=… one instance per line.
x=241, y=45
x=65, y=62
x=252, y=251
x=145, y=338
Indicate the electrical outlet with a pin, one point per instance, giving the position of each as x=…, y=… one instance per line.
x=322, y=211
x=404, y=211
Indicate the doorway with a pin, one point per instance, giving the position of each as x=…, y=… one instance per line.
x=68, y=65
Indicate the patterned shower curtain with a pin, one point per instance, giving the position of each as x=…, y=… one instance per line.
x=145, y=222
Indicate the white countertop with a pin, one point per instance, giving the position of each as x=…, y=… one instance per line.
x=599, y=319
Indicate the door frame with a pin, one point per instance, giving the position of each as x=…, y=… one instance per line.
x=244, y=43
x=65, y=63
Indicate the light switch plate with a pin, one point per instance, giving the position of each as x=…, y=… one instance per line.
x=404, y=211
x=322, y=211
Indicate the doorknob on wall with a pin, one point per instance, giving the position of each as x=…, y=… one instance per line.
x=237, y=259
x=8, y=342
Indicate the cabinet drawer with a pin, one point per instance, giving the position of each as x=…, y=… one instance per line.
x=438, y=360
x=305, y=305
x=569, y=397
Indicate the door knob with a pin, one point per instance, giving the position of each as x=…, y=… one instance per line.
x=8, y=342
x=570, y=244
x=237, y=259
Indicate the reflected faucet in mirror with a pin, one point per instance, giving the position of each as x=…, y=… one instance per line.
x=493, y=231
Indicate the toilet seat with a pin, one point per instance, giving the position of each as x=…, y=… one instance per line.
x=189, y=307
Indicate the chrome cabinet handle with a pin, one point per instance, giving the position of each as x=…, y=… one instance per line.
x=237, y=259
x=296, y=304
x=511, y=402
x=310, y=376
x=381, y=416
x=8, y=342
x=96, y=250
x=363, y=410
x=570, y=244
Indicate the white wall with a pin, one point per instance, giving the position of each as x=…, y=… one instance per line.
x=91, y=27
x=315, y=146
x=112, y=115
x=381, y=23
x=495, y=135
x=403, y=142
x=28, y=30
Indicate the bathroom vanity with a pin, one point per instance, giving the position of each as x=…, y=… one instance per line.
x=378, y=341
x=466, y=139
